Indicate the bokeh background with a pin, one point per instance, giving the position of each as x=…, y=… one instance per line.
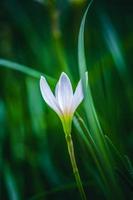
x=43, y=35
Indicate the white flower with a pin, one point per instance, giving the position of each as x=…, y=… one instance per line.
x=64, y=102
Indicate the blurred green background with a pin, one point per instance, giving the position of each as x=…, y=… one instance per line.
x=43, y=34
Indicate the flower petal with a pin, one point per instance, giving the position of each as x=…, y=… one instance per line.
x=64, y=93
x=56, y=90
x=48, y=95
x=78, y=94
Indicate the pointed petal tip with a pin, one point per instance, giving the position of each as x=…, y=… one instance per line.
x=63, y=74
x=65, y=92
x=48, y=95
x=42, y=80
x=43, y=83
x=64, y=77
x=42, y=77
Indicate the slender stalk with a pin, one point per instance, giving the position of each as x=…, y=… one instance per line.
x=74, y=166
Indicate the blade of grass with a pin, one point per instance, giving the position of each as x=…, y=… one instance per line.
x=128, y=165
x=86, y=136
x=88, y=103
x=60, y=189
x=114, y=149
x=11, y=184
x=124, y=160
x=91, y=114
x=24, y=69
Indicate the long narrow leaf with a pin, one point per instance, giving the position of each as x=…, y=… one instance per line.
x=94, y=124
x=89, y=104
x=22, y=68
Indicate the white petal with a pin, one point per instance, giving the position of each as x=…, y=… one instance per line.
x=56, y=90
x=48, y=95
x=78, y=96
x=64, y=93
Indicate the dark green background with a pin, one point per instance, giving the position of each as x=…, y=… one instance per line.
x=33, y=153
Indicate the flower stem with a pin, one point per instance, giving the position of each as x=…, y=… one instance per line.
x=74, y=166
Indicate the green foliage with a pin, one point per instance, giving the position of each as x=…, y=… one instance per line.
x=34, y=161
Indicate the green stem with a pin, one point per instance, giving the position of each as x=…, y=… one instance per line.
x=74, y=166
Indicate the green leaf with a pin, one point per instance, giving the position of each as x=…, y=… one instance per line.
x=11, y=184
x=92, y=147
x=113, y=149
x=88, y=103
x=128, y=165
x=22, y=68
x=94, y=124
